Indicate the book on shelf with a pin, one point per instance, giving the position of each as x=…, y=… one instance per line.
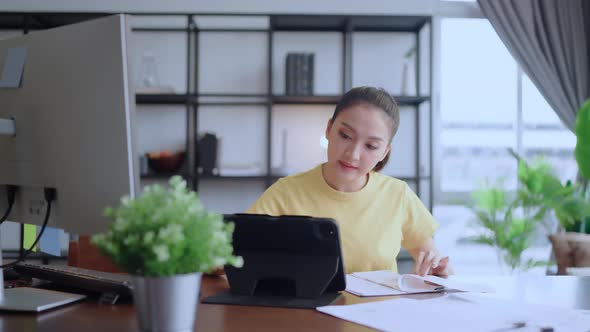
x=299, y=77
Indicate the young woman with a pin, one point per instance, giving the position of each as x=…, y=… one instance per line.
x=376, y=214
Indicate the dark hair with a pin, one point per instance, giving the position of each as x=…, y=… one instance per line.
x=376, y=97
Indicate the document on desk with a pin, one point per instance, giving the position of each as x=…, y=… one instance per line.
x=458, y=312
x=385, y=283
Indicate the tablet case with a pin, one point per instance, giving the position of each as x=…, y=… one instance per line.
x=289, y=261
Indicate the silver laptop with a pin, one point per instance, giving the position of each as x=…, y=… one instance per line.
x=35, y=299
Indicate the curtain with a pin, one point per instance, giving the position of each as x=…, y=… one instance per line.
x=549, y=39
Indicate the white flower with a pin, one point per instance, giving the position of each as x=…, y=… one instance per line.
x=161, y=252
x=194, y=209
x=157, y=215
x=218, y=261
x=130, y=240
x=218, y=236
x=239, y=261
x=172, y=232
x=120, y=224
x=148, y=237
x=125, y=200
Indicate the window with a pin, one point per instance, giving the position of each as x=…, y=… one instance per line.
x=481, y=116
x=544, y=135
x=478, y=105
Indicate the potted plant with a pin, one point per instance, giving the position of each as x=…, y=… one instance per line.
x=571, y=245
x=507, y=229
x=165, y=239
x=582, y=154
x=540, y=196
x=541, y=190
x=511, y=223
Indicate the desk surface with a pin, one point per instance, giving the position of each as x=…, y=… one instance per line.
x=563, y=291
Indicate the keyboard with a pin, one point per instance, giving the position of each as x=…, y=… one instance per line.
x=110, y=285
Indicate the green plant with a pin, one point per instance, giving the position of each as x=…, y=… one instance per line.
x=541, y=191
x=511, y=223
x=582, y=154
x=582, y=150
x=510, y=234
x=165, y=232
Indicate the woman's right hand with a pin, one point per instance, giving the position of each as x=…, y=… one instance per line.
x=431, y=262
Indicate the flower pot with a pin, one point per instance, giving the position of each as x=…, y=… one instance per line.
x=167, y=304
x=570, y=250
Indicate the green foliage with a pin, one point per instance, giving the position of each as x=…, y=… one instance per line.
x=582, y=151
x=511, y=235
x=539, y=192
x=542, y=190
x=165, y=232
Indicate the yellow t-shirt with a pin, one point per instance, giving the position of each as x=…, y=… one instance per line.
x=374, y=222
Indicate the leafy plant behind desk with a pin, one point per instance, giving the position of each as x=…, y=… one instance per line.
x=508, y=230
x=541, y=192
x=582, y=154
x=510, y=223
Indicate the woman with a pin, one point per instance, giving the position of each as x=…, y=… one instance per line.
x=376, y=214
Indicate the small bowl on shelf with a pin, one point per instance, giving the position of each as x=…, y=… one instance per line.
x=165, y=161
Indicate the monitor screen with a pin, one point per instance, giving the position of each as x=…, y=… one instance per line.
x=73, y=115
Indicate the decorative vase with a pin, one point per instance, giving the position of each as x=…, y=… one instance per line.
x=504, y=266
x=570, y=250
x=167, y=304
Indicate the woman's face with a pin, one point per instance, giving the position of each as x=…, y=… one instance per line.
x=358, y=139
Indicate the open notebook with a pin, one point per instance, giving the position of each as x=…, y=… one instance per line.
x=384, y=283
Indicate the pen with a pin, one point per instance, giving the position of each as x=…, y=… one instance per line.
x=521, y=324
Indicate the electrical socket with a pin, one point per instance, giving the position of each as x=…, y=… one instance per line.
x=32, y=205
x=35, y=207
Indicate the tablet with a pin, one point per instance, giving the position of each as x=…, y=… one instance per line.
x=292, y=261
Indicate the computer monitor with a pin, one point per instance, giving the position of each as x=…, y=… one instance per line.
x=73, y=115
x=73, y=118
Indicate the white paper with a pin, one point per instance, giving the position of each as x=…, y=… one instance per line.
x=458, y=313
x=362, y=287
x=385, y=282
x=457, y=285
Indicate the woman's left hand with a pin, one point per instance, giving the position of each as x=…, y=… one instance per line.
x=431, y=262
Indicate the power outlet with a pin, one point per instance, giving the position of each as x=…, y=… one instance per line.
x=35, y=207
x=31, y=208
x=32, y=205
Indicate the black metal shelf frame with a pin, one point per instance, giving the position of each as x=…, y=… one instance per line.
x=181, y=99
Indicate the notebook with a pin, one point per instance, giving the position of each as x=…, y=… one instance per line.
x=385, y=283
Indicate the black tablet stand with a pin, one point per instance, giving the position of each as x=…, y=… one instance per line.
x=284, y=275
